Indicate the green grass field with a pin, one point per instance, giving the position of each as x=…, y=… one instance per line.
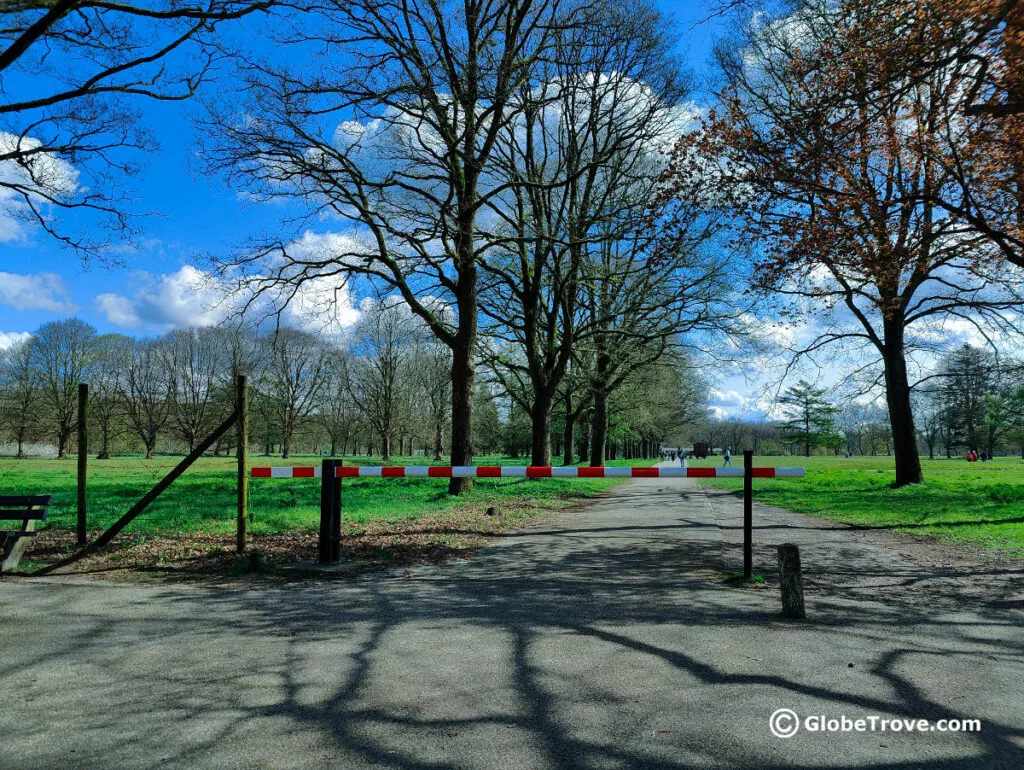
x=203, y=499
x=983, y=502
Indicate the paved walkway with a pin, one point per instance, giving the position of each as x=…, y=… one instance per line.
x=603, y=638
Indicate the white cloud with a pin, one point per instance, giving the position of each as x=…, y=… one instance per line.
x=192, y=297
x=119, y=310
x=35, y=291
x=730, y=398
x=187, y=297
x=37, y=176
x=10, y=339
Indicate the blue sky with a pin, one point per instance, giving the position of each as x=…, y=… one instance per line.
x=194, y=214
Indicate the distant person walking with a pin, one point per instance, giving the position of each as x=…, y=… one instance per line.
x=728, y=458
x=682, y=458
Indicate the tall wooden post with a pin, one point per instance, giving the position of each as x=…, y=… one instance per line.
x=242, y=433
x=330, y=512
x=83, y=458
x=748, y=513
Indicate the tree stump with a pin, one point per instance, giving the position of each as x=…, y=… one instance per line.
x=791, y=582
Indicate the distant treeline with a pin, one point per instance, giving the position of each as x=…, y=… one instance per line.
x=383, y=389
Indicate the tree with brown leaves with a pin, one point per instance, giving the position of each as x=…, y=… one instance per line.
x=835, y=165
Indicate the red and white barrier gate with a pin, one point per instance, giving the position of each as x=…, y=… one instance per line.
x=517, y=471
x=334, y=471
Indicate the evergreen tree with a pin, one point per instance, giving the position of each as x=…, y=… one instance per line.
x=809, y=417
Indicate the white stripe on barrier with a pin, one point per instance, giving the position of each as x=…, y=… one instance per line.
x=729, y=473
x=560, y=471
x=513, y=471
x=790, y=473
x=672, y=473
x=611, y=473
x=419, y=471
x=370, y=470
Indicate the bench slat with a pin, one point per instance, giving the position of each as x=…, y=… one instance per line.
x=21, y=514
x=26, y=500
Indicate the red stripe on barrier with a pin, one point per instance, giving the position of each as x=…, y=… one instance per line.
x=538, y=471
x=591, y=473
x=488, y=471
x=346, y=471
x=261, y=473
x=303, y=472
x=763, y=473
x=645, y=473
x=393, y=472
x=701, y=473
x=439, y=471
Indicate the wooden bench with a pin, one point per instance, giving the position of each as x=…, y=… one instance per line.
x=28, y=509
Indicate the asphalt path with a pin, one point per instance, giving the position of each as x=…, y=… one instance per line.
x=599, y=638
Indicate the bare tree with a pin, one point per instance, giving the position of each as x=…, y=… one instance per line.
x=192, y=364
x=106, y=405
x=63, y=353
x=385, y=338
x=71, y=69
x=21, y=396
x=338, y=410
x=146, y=392
x=431, y=372
x=845, y=207
x=397, y=141
x=608, y=104
x=294, y=378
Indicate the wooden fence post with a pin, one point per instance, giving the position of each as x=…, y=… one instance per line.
x=748, y=513
x=148, y=498
x=83, y=458
x=791, y=582
x=242, y=434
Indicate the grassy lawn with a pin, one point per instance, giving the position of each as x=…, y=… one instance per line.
x=203, y=499
x=188, y=532
x=983, y=502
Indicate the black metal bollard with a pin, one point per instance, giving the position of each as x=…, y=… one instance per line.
x=330, y=513
x=748, y=514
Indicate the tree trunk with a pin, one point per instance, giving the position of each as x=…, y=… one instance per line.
x=598, y=429
x=897, y=396
x=567, y=434
x=463, y=375
x=584, y=440
x=385, y=443
x=438, y=444
x=540, y=438
x=105, y=448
